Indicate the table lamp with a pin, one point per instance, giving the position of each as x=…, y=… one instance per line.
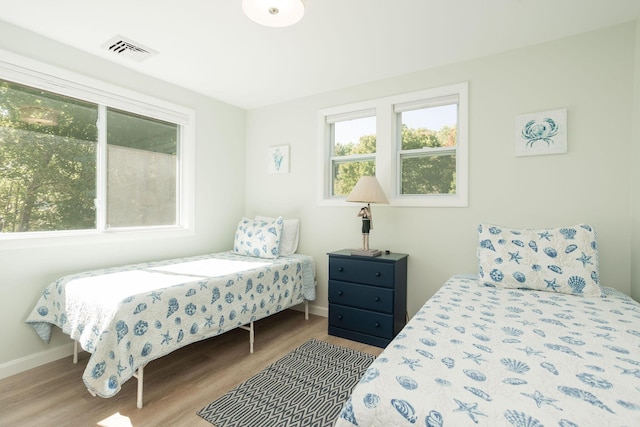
x=367, y=190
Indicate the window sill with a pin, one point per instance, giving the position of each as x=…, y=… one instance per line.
x=76, y=238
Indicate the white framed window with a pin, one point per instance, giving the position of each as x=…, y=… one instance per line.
x=420, y=147
x=80, y=157
x=352, y=149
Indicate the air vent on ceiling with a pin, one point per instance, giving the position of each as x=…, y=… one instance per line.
x=128, y=48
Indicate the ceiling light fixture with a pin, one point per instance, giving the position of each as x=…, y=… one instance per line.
x=274, y=13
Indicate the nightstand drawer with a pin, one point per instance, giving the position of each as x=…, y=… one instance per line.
x=355, y=319
x=362, y=271
x=360, y=296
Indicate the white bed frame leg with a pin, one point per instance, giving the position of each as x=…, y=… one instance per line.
x=306, y=310
x=75, y=351
x=251, y=335
x=140, y=376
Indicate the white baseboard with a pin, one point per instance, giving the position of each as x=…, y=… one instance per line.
x=313, y=309
x=34, y=360
x=319, y=311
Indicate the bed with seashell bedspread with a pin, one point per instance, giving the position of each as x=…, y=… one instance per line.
x=481, y=354
x=128, y=316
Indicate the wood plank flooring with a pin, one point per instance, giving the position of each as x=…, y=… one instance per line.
x=176, y=386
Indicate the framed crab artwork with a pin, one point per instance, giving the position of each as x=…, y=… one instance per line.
x=541, y=133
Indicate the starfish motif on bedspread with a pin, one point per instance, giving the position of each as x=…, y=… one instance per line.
x=607, y=336
x=533, y=352
x=411, y=363
x=445, y=308
x=121, y=369
x=208, y=321
x=433, y=331
x=470, y=408
x=155, y=296
x=480, y=326
x=475, y=357
x=540, y=399
x=625, y=371
x=166, y=338
x=525, y=322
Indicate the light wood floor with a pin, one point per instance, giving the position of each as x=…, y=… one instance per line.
x=175, y=386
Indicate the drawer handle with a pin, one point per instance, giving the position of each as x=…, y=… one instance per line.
x=377, y=325
x=340, y=292
x=340, y=316
x=376, y=299
x=340, y=269
x=378, y=274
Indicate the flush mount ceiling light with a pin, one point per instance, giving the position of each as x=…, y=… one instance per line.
x=274, y=13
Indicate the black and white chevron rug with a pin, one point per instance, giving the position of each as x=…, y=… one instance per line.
x=307, y=387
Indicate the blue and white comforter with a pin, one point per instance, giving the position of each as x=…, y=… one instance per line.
x=482, y=356
x=128, y=316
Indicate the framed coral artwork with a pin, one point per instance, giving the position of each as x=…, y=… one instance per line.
x=541, y=133
x=278, y=159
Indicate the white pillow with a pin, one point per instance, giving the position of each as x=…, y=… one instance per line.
x=258, y=238
x=290, y=235
x=563, y=259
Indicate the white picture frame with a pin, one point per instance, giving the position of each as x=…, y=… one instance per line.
x=278, y=159
x=542, y=133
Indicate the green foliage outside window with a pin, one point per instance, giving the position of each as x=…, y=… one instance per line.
x=346, y=174
x=47, y=161
x=423, y=172
x=428, y=172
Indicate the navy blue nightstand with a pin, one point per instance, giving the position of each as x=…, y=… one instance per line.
x=367, y=296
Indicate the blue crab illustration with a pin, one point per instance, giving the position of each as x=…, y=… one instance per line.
x=535, y=131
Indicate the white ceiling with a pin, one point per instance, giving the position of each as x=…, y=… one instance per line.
x=210, y=47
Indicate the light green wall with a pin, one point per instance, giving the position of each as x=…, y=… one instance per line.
x=591, y=75
x=635, y=156
x=220, y=132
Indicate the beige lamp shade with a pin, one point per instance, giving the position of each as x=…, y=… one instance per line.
x=367, y=190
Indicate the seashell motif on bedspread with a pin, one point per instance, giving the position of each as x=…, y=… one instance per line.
x=563, y=357
x=585, y=396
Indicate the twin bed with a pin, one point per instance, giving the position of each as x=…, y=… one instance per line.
x=532, y=340
x=128, y=316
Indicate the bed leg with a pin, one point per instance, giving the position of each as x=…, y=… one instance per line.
x=140, y=376
x=251, y=337
x=75, y=351
x=306, y=310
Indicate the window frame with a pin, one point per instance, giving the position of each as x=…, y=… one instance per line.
x=388, y=146
x=46, y=77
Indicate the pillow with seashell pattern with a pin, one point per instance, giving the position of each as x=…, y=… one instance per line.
x=258, y=238
x=563, y=260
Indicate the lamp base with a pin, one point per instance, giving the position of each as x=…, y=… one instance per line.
x=368, y=252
